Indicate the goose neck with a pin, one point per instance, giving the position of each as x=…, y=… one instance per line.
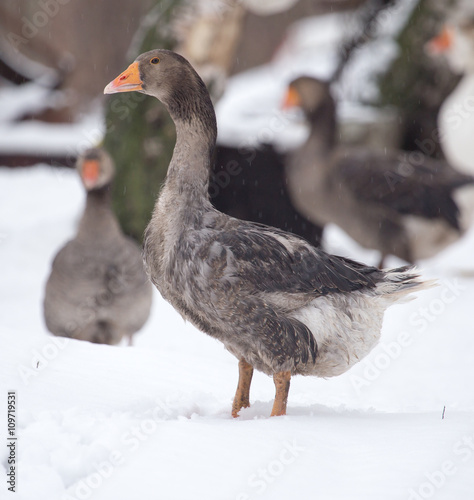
x=191, y=163
x=98, y=219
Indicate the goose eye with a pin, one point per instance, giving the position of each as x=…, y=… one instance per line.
x=155, y=60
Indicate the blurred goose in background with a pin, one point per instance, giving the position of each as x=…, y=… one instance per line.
x=456, y=115
x=97, y=290
x=395, y=202
x=277, y=303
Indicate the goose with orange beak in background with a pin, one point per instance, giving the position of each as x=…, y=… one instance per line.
x=456, y=115
x=97, y=290
x=392, y=201
x=277, y=303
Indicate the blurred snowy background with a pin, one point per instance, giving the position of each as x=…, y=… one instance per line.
x=153, y=420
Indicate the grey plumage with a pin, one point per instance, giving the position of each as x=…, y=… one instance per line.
x=395, y=202
x=97, y=290
x=275, y=301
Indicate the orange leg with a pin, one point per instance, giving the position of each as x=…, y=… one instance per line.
x=241, y=399
x=282, y=386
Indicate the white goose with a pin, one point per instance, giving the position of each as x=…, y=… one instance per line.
x=456, y=115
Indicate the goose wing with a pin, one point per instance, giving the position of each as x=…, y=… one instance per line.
x=265, y=259
x=409, y=184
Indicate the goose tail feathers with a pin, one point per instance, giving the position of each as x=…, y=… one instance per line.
x=400, y=283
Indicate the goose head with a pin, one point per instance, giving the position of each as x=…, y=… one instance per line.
x=310, y=94
x=456, y=42
x=167, y=76
x=95, y=168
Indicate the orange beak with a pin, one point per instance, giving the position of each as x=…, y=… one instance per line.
x=127, y=81
x=442, y=42
x=90, y=172
x=292, y=99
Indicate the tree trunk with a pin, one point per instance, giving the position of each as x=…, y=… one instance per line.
x=140, y=135
x=417, y=84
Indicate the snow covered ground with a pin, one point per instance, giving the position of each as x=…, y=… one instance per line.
x=153, y=420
